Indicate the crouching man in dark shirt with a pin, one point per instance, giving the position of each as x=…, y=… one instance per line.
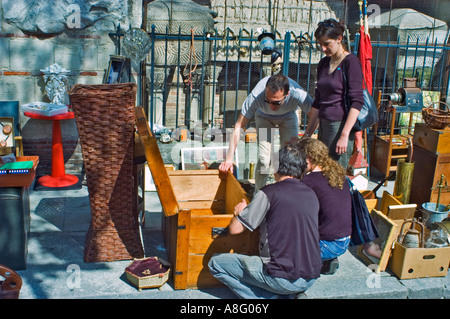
x=287, y=214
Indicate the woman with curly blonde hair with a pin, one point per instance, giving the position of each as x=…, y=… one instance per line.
x=328, y=180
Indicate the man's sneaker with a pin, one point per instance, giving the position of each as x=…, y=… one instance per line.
x=329, y=267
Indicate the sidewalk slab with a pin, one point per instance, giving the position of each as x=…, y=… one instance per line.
x=56, y=270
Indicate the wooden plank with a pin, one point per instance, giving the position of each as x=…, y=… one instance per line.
x=197, y=187
x=182, y=254
x=205, y=237
x=401, y=212
x=217, y=205
x=196, y=172
x=235, y=193
x=371, y=204
x=386, y=200
x=198, y=273
x=170, y=225
x=156, y=164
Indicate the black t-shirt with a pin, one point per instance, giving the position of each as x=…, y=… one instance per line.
x=287, y=214
x=335, y=214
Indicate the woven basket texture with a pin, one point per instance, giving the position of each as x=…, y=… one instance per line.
x=105, y=120
x=436, y=118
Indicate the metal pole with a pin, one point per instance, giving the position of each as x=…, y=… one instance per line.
x=287, y=46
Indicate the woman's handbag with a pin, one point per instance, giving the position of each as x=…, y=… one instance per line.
x=368, y=115
x=363, y=228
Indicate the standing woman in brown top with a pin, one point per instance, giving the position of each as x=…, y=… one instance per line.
x=329, y=107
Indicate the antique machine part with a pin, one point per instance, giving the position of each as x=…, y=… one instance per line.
x=412, y=238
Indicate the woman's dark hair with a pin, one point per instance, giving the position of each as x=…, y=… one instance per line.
x=292, y=161
x=278, y=82
x=329, y=28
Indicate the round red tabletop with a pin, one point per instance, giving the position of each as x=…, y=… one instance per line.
x=64, y=116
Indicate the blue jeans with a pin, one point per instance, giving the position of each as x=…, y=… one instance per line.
x=247, y=278
x=334, y=248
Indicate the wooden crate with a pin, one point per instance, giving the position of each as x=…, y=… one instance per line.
x=198, y=206
x=435, y=141
x=429, y=167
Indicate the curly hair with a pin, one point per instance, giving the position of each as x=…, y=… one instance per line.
x=317, y=153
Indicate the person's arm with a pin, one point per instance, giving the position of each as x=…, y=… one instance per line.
x=236, y=227
x=356, y=100
x=341, y=145
x=313, y=122
x=227, y=165
x=249, y=216
x=313, y=115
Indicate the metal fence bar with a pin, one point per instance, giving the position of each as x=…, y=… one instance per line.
x=166, y=44
x=202, y=80
x=386, y=64
x=250, y=64
x=433, y=69
x=415, y=57
x=178, y=78
x=423, y=64
x=376, y=65
x=432, y=64
x=226, y=78
x=152, y=74
x=406, y=56
x=214, y=79
x=237, y=78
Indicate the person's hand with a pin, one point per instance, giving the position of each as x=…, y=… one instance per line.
x=226, y=166
x=341, y=145
x=240, y=207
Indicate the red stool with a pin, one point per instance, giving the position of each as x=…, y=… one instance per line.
x=58, y=178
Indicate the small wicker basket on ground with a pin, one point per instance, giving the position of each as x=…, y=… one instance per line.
x=151, y=272
x=436, y=118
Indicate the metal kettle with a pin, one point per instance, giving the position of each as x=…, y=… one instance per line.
x=412, y=238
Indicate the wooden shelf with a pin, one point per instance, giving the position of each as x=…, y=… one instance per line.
x=389, y=148
x=386, y=154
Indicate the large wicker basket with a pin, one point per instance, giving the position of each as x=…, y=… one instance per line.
x=436, y=118
x=105, y=121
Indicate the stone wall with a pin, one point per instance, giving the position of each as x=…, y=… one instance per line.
x=84, y=49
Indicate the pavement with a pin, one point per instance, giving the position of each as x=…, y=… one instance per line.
x=56, y=270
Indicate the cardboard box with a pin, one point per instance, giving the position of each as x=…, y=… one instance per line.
x=408, y=263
